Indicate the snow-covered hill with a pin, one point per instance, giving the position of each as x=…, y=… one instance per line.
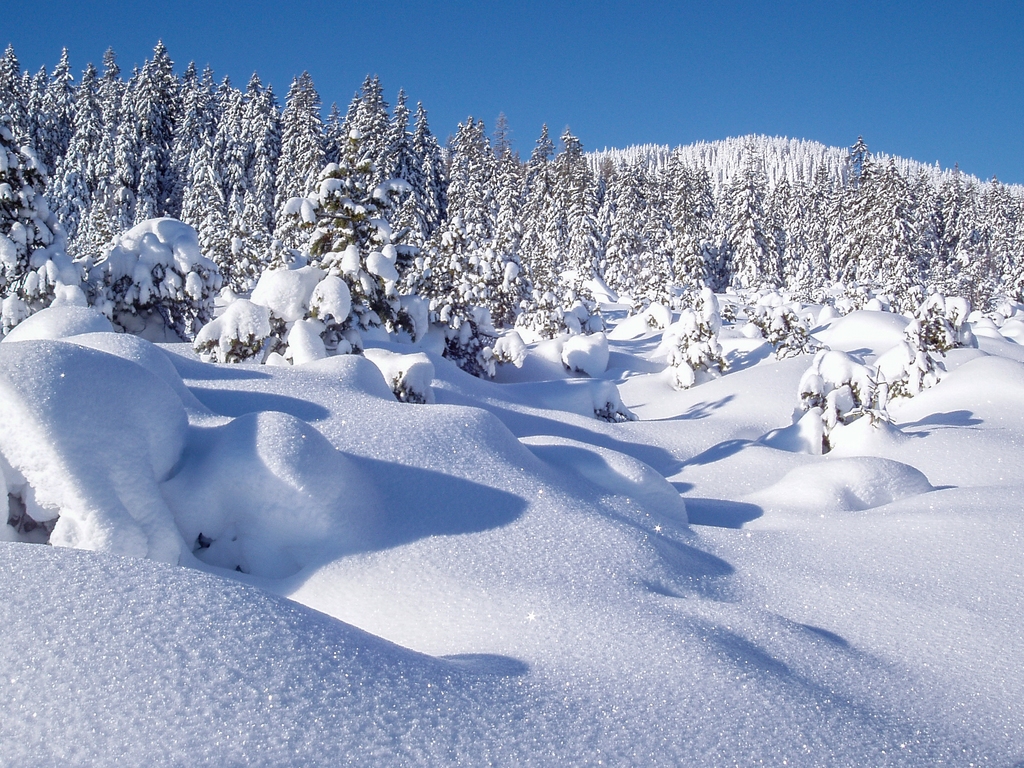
x=499, y=577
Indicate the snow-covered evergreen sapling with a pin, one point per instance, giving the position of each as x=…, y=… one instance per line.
x=240, y=334
x=783, y=328
x=938, y=326
x=836, y=389
x=692, y=342
x=34, y=267
x=349, y=238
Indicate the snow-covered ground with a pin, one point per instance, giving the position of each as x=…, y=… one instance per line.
x=496, y=576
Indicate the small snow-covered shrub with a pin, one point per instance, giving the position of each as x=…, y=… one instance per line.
x=155, y=270
x=938, y=326
x=784, y=329
x=469, y=342
x=658, y=316
x=510, y=349
x=239, y=334
x=586, y=354
x=841, y=390
x=608, y=404
x=692, y=341
x=409, y=376
x=547, y=317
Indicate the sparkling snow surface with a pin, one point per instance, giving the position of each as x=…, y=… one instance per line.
x=498, y=577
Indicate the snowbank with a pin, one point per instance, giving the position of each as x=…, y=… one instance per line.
x=89, y=437
x=864, y=331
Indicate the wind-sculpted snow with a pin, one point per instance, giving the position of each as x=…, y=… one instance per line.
x=531, y=585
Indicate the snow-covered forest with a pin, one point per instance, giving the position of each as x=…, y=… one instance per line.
x=353, y=446
x=474, y=225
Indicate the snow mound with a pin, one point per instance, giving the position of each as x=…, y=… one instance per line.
x=586, y=354
x=865, y=330
x=144, y=353
x=59, y=323
x=88, y=437
x=267, y=494
x=986, y=385
x=612, y=472
x=840, y=485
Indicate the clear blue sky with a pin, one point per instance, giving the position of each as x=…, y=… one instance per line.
x=929, y=80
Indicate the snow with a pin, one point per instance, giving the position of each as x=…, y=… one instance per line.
x=287, y=292
x=320, y=573
x=58, y=323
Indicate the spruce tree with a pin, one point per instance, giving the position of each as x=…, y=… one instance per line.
x=76, y=179
x=302, y=154
x=155, y=107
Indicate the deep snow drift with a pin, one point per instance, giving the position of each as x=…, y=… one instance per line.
x=496, y=576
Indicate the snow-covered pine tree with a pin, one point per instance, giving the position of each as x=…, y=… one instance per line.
x=196, y=124
x=32, y=258
x=98, y=227
x=1004, y=218
x=56, y=121
x=749, y=241
x=35, y=90
x=463, y=275
x=334, y=134
x=691, y=343
x=205, y=209
x=536, y=252
x=435, y=176
x=373, y=123
x=575, y=204
x=348, y=237
x=515, y=290
x=76, y=180
x=409, y=216
x=302, y=155
x=13, y=99
x=691, y=211
x=155, y=104
x=252, y=251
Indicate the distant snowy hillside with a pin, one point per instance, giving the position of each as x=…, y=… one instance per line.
x=795, y=160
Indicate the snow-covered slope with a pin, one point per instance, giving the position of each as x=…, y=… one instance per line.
x=500, y=577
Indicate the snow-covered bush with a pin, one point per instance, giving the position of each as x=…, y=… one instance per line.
x=608, y=404
x=409, y=376
x=658, y=316
x=586, y=353
x=692, y=341
x=241, y=333
x=546, y=316
x=784, y=329
x=155, y=274
x=840, y=390
x=938, y=327
x=34, y=267
x=510, y=349
x=469, y=341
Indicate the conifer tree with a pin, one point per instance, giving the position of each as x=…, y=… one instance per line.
x=302, y=154
x=56, y=121
x=751, y=245
x=12, y=95
x=76, y=179
x=155, y=107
